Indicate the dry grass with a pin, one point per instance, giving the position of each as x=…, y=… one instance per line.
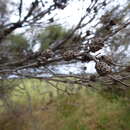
x=86, y=110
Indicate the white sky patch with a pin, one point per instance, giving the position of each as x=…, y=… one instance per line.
x=90, y=67
x=77, y=68
x=71, y=14
x=36, y=47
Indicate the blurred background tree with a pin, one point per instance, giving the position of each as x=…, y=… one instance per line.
x=54, y=33
x=50, y=34
x=4, y=12
x=15, y=46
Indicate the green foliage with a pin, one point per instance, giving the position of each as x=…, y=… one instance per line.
x=50, y=34
x=56, y=32
x=68, y=106
x=14, y=47
x=18, y=43
x=6, y=87
x=75, y=124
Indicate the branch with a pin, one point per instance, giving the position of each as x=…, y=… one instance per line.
x=118, y=81
x=20, y=9
x=13, y=26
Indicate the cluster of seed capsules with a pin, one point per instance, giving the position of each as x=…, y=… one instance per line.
x=103, y=63
x=44, y=56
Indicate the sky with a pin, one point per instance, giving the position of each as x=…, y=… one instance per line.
x=70, y=14
x=74, y=10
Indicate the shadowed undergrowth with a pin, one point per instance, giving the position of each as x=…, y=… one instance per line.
x=37, y=107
